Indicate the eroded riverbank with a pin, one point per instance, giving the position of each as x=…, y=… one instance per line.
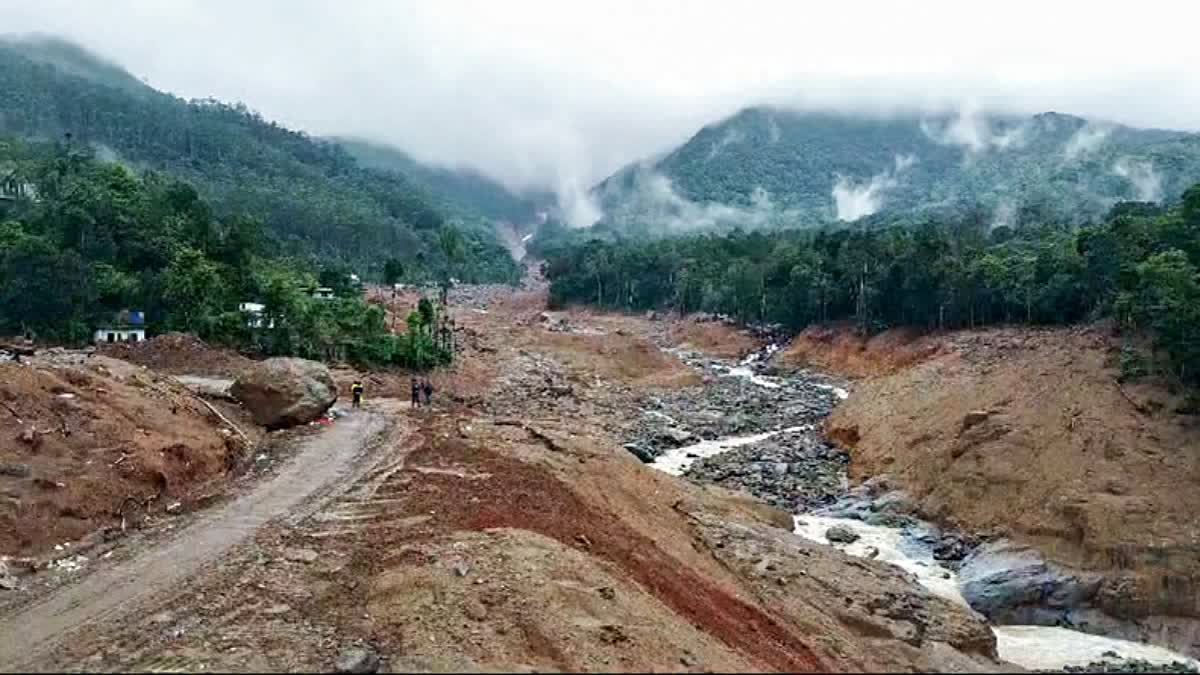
x=746, y=430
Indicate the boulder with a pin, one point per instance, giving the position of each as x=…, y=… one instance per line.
x=896, y=501
x=675, y=436
x=283, y=392
x=357, y=660
x=974, y=417
x=841, y=534
x=1009, y=583
x=641, y=452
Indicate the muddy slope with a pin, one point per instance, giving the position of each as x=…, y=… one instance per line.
x=88, y=441
x=511, y=530
x=1026, y=434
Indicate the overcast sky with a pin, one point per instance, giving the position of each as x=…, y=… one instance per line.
x=560, y=93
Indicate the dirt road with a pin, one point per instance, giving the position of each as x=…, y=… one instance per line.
x=323, y=463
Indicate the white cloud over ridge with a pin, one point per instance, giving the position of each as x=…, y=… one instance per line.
x=543, y=94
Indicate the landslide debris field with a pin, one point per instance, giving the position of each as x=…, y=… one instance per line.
x=572, y=501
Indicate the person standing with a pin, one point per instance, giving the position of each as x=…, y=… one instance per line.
x=416, y=392
x=427, y=389
x=356, y=393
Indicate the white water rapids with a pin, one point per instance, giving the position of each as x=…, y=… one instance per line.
x=1032, y=647
x=676, y=461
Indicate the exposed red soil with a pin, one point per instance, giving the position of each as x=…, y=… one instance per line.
x=526, y=496
x=94, y=446
x=180, y=354
x=838, y=348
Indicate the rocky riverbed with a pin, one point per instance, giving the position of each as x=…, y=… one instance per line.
x=733, y=400
x=749, y=428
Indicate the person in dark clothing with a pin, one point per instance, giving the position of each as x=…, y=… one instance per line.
x=416, y=392
x=356, y=392
x=427, y=389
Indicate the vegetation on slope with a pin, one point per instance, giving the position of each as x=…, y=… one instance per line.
x=767, y=167
x=1140, y=265
x=312, y=197
x=463, y=192
x=81, y=239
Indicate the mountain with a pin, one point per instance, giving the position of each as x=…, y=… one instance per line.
x=312, y=196
x=774, y=167
x=460, y=191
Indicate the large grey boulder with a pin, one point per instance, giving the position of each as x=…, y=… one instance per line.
x=1009, y=583
x=284, y=392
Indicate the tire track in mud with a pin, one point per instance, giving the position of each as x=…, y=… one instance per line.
x=322, y=462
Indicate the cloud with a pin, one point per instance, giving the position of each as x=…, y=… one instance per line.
x=853, y=200
x=577, y=207
x=971, y=130
x=653, y=198
x=773, y=132
x=1004, y=215
x=731, y=136
x=1087, y=139
x=1146, y=182
x=530, y=91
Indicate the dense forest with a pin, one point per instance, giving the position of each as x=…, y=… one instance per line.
x=766, y=168
x=1139, y=264
x=461, y=192
x=82, y=239
x=311, y=196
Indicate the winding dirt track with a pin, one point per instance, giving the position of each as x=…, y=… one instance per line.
x=323, y=463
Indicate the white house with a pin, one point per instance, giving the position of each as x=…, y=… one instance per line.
x=125, y=326
x=253, y=312
x=114, y=334
x=323, y=293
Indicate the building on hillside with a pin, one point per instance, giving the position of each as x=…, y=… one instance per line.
x=253, y=311
x=322, y=293
x=126, y=326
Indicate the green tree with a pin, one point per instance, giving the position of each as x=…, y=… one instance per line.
x=194, y=289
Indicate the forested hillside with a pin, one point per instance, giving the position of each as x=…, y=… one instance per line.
x=1141, y=265
x=768, y=167
x=312, y=197
x=82, y=239
x=463, y=192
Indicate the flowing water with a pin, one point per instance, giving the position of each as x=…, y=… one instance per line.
x=677, y=461
x=1032, y=647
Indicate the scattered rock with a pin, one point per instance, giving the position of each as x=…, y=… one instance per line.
x=612, y=635
x=283, y=392
x=462, y=568
x=607, y=592
x=357, y=660
x=15, y=469
x=8, y=582
x=841, y=534
x=973, y=418
x=475, y=610
x=1009, y=583
x=301, y=555
x=162, y=618
x=277, y=610
x=642, y=453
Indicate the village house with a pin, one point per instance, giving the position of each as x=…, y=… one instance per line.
x=126, y=326
x=254, y=315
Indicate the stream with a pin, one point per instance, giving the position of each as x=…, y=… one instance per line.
x=748, y=430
